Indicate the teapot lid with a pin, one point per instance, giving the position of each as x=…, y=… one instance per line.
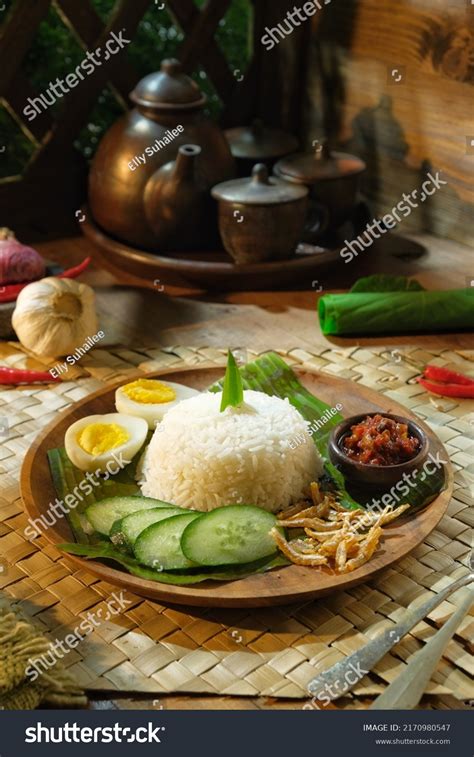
x=258, y=189
x=307, y=167
x=257, y=141
x=169, y=88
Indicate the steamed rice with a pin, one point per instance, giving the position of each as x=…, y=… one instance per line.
x=201, y=458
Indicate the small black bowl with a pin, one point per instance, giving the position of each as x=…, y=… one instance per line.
x=375, y=476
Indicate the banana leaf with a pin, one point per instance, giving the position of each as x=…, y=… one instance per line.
x=383, y=282
x=67, y=480
x=395, y=305
x=107, y=551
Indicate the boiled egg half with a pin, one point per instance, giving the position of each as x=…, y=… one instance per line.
x=105, y=443
x=150, y=399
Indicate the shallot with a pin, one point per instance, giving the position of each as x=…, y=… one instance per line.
x=18, y=262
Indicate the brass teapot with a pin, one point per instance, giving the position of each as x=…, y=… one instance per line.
x=169, y=113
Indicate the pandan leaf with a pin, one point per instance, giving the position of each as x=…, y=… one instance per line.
x=233, y=390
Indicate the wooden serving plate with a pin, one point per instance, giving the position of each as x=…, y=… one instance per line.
x=280, y=586
x=205, y=270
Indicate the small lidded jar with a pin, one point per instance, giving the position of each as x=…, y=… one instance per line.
x=261, y=218
x=333, y=181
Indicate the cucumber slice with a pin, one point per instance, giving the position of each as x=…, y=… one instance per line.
x=102, y=515
x=158, y=546
x=230, y=535
x=126, y=530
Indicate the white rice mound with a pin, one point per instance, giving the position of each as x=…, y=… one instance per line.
x=201, y=458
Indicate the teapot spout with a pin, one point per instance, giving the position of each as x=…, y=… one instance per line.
x=178, y=207
x=185, y=162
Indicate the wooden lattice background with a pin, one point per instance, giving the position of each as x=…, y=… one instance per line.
x=53, y=184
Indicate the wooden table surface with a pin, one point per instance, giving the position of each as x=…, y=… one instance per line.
x=275, y=319
x=285, y=320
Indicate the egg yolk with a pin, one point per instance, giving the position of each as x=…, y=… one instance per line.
x=98, y=438
x=149, y=392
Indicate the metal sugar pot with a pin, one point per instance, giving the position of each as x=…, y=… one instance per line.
x=168, y=113
x=333, y=181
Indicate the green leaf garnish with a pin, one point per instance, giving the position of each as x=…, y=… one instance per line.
x=233, y=390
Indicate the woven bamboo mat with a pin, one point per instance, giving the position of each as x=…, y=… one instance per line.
x=159, y=649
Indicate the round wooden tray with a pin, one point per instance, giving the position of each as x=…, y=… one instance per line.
x=205, y=270
x=280, y=586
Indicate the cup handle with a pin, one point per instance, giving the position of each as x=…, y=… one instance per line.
x=318, y=219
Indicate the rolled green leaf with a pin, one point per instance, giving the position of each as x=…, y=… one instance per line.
x=396, y=312
x=385, y=282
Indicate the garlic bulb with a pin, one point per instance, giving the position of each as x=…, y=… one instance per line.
x=54, y=316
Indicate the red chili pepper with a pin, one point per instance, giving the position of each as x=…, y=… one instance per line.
x=10, y=292
x=24, y=376
x=72, y=273
x=465, y=391
x=436, y=373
